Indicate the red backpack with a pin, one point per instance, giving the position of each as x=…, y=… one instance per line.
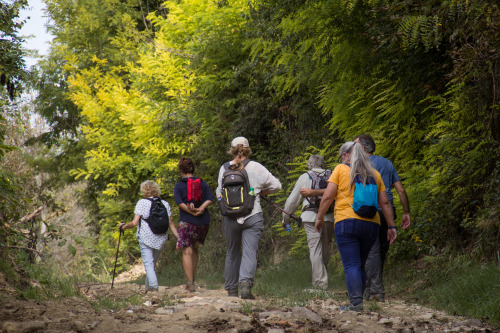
x=194, y=191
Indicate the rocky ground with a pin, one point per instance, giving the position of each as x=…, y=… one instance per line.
x=175, y=310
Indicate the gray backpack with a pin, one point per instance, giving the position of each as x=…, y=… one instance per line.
x=236, y=200
x=319, y=182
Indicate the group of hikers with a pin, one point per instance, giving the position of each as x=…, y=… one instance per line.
x=333, y=202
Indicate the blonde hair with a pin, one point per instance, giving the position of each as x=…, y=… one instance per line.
x=239, y=151
x=150, y=189
x=359, y=161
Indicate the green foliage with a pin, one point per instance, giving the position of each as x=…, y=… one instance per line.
x=290, y=283
x=12, y=66
x=113, y=303
x=35, y=281
x=246, y=308
x=456, y=285
x=367, y=82
x=416, y=29
x=12, y=72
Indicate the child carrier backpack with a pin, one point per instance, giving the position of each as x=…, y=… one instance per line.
x=236, y=200
x=365, y=203
x=158, y=217
x=319, y=182
x=194, y=191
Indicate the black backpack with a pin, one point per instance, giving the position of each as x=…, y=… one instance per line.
x=158, y=220
x=236, y=200
x=319, y=182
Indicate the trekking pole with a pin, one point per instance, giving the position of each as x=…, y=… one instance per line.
x=298, y=219
x=116, y=259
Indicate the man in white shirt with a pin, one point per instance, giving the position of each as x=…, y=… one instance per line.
x=319, y=243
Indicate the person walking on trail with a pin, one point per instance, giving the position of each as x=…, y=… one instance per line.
x=193, y=196
x=308, y=189
x=352, y=182
x=376, y=258
x=150, y=243
x=243, y=234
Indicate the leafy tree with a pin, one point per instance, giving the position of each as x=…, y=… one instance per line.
x=397, y=71
x=11, y=51
x=11, y=73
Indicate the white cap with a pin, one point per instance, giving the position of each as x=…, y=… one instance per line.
x=240, y=141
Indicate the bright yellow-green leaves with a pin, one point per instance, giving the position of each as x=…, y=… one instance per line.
x=131, y=107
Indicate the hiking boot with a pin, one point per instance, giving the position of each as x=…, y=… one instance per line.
x=366, y=294
x=233, y=292
x=351, y=307
x=377, y=297
x=246, y=290
x=190, y=286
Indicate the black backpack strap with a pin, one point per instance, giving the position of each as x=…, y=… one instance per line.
x=245, y=162
x=227, y=165
x=142, y=218
x=309, y=173
x=316, y=180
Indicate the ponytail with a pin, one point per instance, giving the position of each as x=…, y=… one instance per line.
x=360, y=164
x=238, y=152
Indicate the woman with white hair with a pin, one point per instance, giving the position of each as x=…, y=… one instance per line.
x=354, y=234
x=308, y=190
x=150, y=243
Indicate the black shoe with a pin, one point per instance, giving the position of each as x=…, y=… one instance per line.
x=246, y=290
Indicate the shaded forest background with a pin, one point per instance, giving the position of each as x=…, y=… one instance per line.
x=130, y=86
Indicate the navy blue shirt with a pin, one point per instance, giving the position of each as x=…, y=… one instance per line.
x=180, y=195
x=387, y=172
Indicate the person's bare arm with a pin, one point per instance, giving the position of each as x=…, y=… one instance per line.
x=383, y=202
x=172, y=227
x=326, y=201
x=403, y=198
x=307, y=192
x=131, y=224
x=200, y=210
x=187, y=209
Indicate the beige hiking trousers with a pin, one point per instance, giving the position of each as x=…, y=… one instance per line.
x=319, y=251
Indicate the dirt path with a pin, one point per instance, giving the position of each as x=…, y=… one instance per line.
x=175, y=310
